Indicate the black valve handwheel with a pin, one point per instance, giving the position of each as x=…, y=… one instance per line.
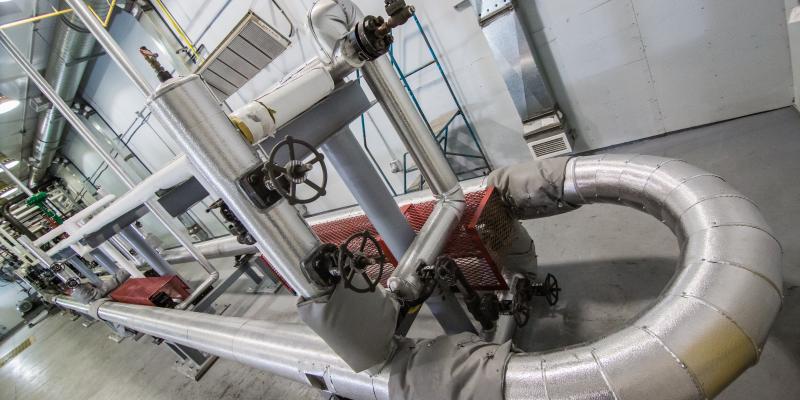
x=295, y=171
x=551, y=289
x=521, y=315
x=352, y=263
x=520, y=305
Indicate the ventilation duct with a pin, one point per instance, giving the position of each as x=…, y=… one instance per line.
x=71, y=45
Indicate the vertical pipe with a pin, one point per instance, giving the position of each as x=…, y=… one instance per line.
x=413, y=130
x=355, y=169
x=153, y=259
x=423, y=148
x=109, y=45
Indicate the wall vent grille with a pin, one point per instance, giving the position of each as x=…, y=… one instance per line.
x=247, y=50
x=551, y=146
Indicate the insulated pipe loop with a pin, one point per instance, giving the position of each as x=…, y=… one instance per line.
x=709, y=325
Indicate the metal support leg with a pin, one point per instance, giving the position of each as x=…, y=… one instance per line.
x=352, y=164
x=153, y=259
x=348, y=158
x=104, y=261
x=245, y=267
x=84, y=269
x=193, y=364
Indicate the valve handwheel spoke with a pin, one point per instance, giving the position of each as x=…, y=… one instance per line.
x=355, y=263
x=290, y=143
x=285, y=179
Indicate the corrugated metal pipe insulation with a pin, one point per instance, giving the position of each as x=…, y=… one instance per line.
x=72, y=45
x=708, y=326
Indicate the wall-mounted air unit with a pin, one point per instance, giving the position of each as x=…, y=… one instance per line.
x=248, y=49
x=548, y=136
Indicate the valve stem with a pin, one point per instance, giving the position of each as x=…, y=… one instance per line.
x=152, y=59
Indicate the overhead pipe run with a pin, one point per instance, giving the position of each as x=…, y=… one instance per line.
x=94, y=25
x=71, y=43
x=173, y=173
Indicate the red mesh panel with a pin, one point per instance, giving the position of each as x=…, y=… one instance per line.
x=465, y=246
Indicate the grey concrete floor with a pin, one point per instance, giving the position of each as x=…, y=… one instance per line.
x=611, y=261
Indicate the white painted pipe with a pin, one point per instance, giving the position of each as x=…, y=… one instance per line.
x=72, y=223
x=121, y=260
x=286, y=100
x=175, y=172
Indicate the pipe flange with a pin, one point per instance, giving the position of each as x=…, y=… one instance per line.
x=57, y=267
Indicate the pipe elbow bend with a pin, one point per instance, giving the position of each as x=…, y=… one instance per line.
x=711, y=322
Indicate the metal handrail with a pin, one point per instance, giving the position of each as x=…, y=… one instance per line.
x=442, y=135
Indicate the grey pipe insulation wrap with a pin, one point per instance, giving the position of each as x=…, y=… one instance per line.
x=358, y=327
x=533, y=189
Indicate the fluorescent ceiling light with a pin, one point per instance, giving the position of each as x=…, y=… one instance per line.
x=7, y=104
x=794, y=16
x=11, y=163
x=9, y=193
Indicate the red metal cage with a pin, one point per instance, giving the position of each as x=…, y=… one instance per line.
x=482, y=233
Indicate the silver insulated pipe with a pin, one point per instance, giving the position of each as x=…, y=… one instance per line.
x=221, y=157
x=292, y=351
x=708, y=326
x=71, y=45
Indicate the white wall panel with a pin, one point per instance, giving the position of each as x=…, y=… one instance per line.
x=715, y=60
x=629, y=69
x=794, y=45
